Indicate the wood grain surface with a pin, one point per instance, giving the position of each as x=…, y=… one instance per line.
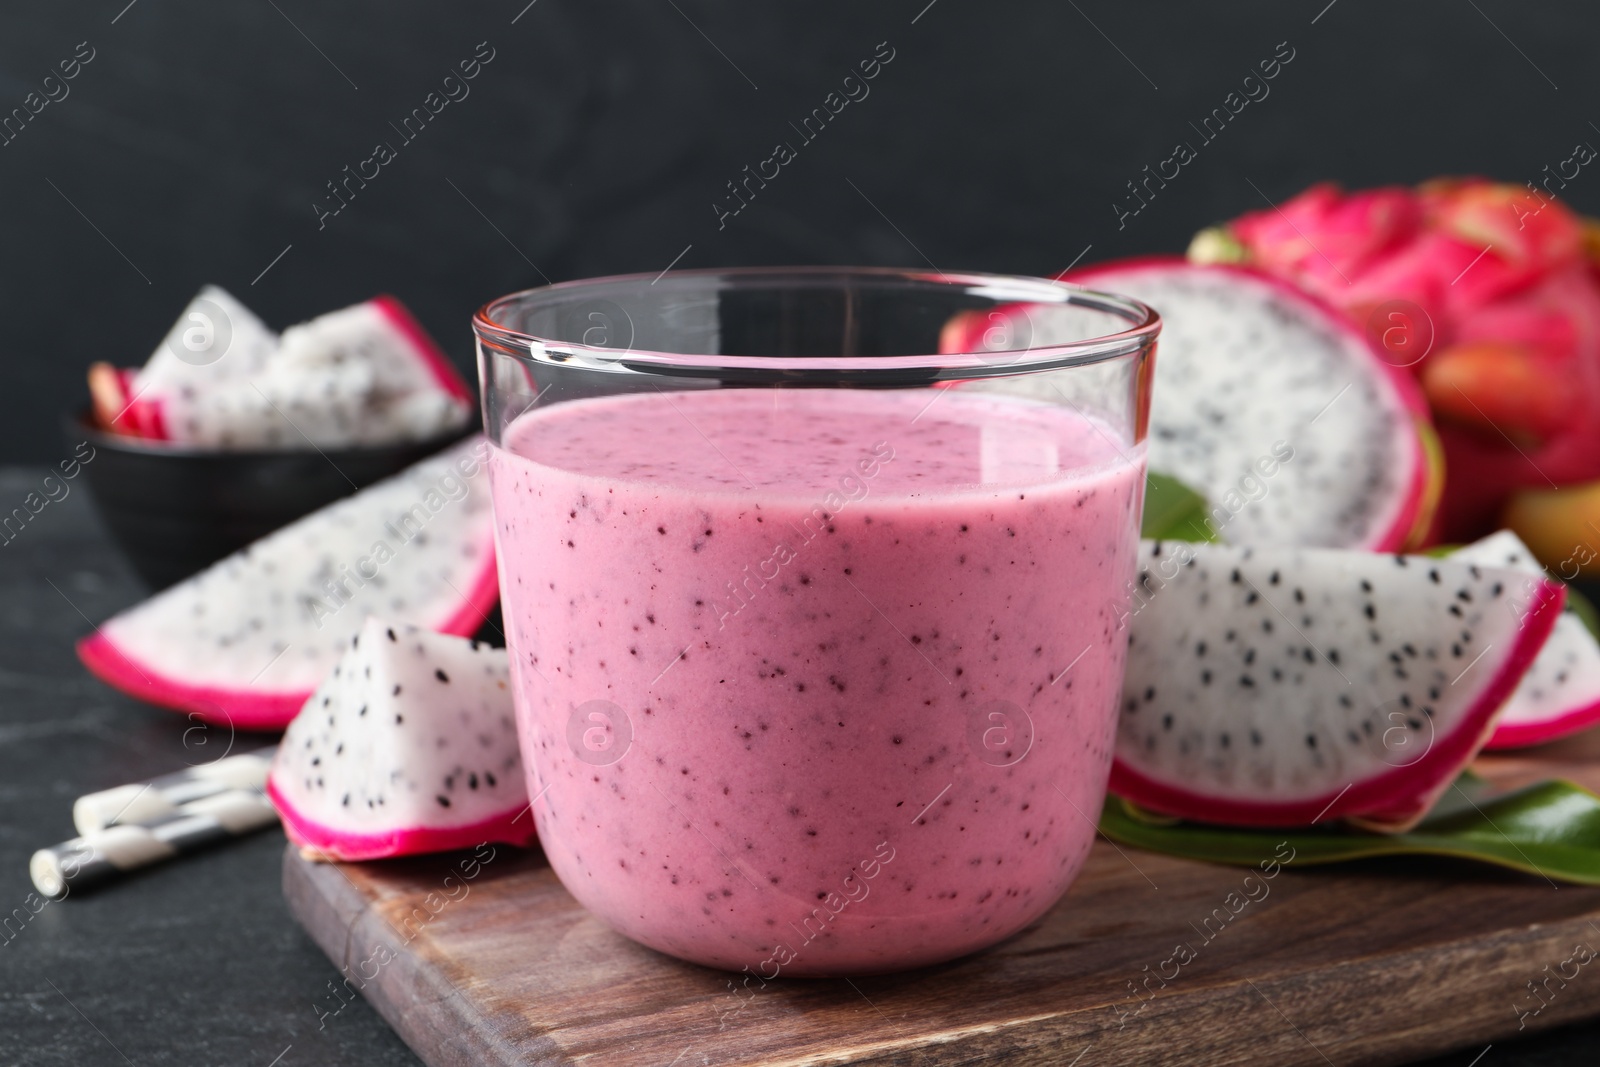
x=485, y=959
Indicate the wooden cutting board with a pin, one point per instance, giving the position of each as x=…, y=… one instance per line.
x=487, y=960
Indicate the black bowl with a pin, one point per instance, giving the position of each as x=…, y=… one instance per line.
x=173, y=510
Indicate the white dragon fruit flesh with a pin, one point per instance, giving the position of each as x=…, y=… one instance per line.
x=215, y=339
x=246, y=640
x=1287, y=686
x=1560, y=694
x=409, y=745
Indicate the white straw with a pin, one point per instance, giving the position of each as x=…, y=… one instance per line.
x=104, y=854
x=160, y=798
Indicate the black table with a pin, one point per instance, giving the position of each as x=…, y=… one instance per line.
x=197, y=961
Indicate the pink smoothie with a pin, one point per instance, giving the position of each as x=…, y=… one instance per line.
x=867, y=651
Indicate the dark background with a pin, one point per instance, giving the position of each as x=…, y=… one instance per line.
x=191, y=150
x=597, y=139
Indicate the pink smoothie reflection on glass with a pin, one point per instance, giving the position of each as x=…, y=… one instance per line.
x=820, y=680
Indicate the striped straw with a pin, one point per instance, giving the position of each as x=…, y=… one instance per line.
x=105, y=854
x=161, y=798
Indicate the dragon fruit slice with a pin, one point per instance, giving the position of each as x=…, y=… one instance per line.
x=274, y=410
x=216, y=342
x=409, y=745
x=1560, y=694
x=382, y=334
x=246, y=640
x=1282, y=687
x=364, y=375
x=215, y=339
x=1250, y=371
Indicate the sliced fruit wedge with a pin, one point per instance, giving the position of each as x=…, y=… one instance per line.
x=1560, y=693
x=409, y=746
x=1285, y=687
x=245, y=641
x=368, y=374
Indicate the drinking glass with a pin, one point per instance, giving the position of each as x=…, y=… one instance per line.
x=813, y=584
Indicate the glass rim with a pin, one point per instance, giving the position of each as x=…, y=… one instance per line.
x=1144, y=324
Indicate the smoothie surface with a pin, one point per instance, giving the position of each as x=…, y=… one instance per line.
x=799, y=442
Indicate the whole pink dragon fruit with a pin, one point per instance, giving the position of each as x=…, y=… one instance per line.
x=1484, y=291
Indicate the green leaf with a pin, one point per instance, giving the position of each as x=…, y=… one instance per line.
x=1584, y=609
x=1174, y=512
x=1550, y=830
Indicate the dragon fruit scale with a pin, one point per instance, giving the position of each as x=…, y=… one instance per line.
x=1487, y=292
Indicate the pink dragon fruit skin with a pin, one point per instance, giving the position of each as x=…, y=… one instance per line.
x=1322, y=237
x=1551, y=334
x=1451, y=246
x=1513, y=310
x=1522, y=240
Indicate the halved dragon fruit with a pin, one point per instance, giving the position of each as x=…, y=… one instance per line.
x=246, y=640
x=1282, y=687
x=1284, y=415
x=1560, y=694
x=364, y=375
x=409, y=745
